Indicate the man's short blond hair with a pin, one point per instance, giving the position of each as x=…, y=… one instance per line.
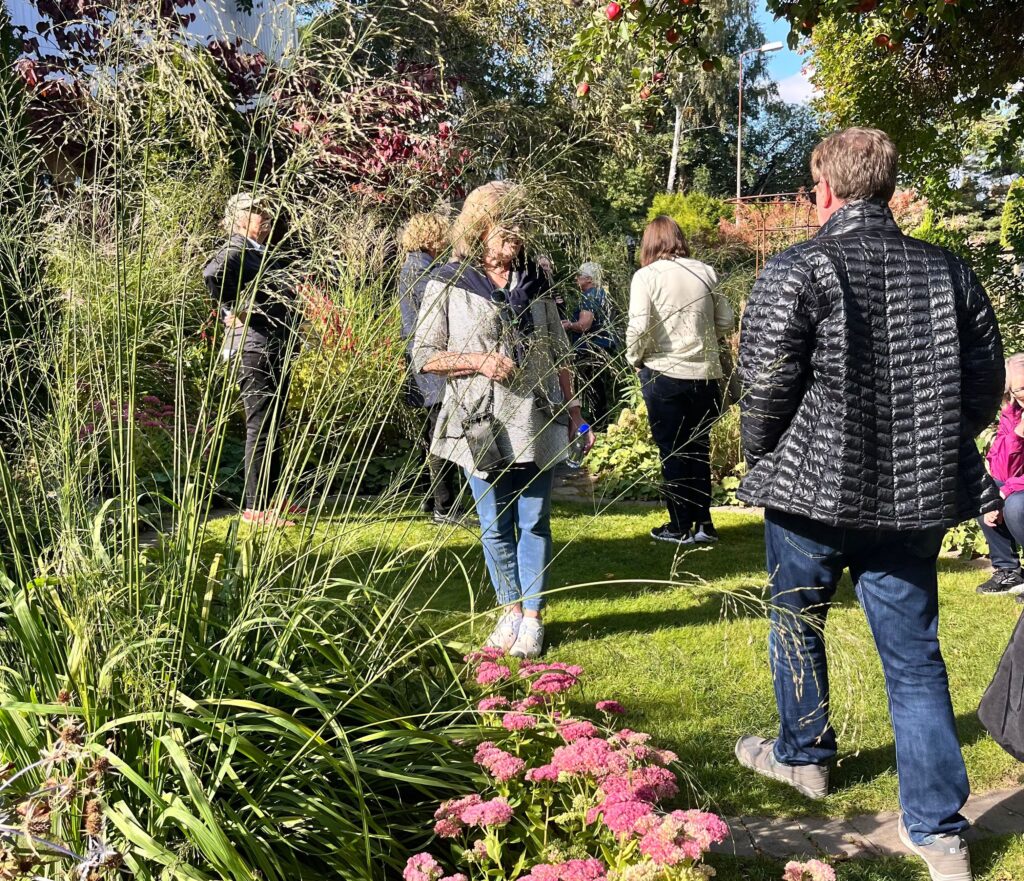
x=490, y=205
x=858, y=163
x=425, y=232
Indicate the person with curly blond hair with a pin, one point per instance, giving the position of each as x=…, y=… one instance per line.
x=490, y=328
x=423, y=240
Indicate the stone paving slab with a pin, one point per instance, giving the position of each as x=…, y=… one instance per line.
x=869, y=836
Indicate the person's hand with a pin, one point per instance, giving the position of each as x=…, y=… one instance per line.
x=575, y=423
x=993, y=518
x=496, y=367
x=567, y=325
x=233, y=320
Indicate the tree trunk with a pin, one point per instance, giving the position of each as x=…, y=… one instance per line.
x=676, y=137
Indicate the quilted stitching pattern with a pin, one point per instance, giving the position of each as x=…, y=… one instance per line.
x=871, y=361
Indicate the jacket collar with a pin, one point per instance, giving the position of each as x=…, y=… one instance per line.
x=418, y=259
x=863, y=214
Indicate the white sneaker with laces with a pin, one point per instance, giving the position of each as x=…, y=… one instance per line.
x=505, y=631
x=530, y=641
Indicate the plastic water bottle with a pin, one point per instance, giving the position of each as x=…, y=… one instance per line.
x=578, y=448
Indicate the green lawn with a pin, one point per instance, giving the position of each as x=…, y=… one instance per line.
x=681, y=641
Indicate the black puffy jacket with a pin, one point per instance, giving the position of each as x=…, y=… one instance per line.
x=871, y=361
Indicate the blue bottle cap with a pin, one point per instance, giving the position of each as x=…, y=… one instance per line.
x=584, y=428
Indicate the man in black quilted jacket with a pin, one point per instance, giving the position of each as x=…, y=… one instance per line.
x=871, y=361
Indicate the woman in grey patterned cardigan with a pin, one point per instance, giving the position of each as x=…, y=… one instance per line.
x=489, y=325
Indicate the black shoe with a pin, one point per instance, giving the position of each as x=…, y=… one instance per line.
x=667, y=533
x=1008, y=582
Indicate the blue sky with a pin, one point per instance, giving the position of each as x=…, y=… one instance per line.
x=784, y=65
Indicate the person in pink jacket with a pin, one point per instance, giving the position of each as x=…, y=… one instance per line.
x=1004, y=530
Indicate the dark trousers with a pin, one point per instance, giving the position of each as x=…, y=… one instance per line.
x=263, y=382
x=895, y=577
x=681, y=413
x=594, y=376
x=444, y=488
x=1005, y=540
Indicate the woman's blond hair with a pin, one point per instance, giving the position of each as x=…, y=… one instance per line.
x=425, y=232
x=487, y=206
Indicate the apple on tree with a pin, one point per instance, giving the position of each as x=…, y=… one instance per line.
x=613, y=11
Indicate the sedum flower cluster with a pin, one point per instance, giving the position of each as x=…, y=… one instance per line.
x=562, y=798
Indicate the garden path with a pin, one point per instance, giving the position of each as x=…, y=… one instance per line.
x=868, y=836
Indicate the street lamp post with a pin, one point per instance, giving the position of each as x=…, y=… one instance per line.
x=767, y=47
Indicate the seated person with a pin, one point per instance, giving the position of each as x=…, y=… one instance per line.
x=1004, y=530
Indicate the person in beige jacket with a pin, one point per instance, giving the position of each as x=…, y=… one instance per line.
x=676, y=319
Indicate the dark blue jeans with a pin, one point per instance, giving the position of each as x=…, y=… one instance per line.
x=1004, y=540
x=897, y=584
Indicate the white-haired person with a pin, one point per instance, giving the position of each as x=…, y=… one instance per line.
x=594, y=341
x=251, y=287
x=489, y=325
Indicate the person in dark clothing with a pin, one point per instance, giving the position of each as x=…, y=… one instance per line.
x=424, y=238
x=871, y=362
x=255, y=299
x=594, y=343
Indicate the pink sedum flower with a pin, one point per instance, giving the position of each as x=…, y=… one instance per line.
x=489, y=672
x=498, y=763
x=544, y=773
x=572, y=731
x=518, y=721
x=626, y=817
x=589, y=757
x=650, y=784
x=496, y=812
x=812, y=870
x=682, y=836
x=448, y=828
x=422, y=867
x=533, y=668
x=487, y=653
x=553, y=683
x=528, y=703
x=457, y=877
x=572, y=870
x=613, y=708
x=490, y=704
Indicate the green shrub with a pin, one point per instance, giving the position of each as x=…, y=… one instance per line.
x=1012, y=237
x=626, y=464
x=696, y=213
x=939, y=232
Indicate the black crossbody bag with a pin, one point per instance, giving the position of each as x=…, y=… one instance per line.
x=1002, y=707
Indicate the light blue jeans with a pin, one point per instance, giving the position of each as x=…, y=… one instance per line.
x=515, y=526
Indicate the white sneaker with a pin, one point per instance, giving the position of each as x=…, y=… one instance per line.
x=505, y=631
x=530, y=641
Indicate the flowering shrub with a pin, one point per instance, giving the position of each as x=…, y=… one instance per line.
x=562, y=798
